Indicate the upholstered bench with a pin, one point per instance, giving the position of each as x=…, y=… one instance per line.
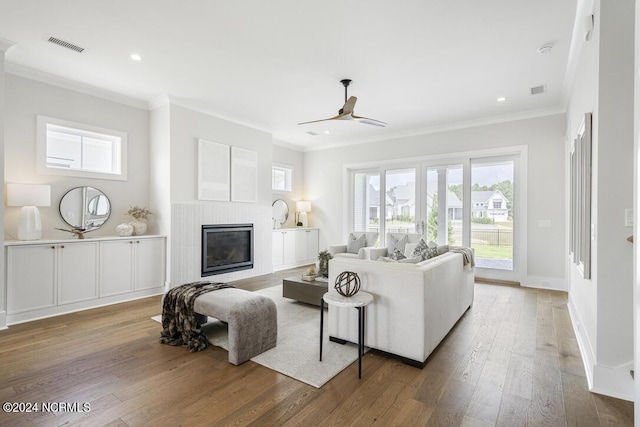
x=251, y=318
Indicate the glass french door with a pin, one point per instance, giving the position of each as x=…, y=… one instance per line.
x=471, y=202
x=492, y=214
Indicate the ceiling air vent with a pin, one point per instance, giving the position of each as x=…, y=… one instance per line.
x=312, y=133
x=537, y=89
x=66, y=44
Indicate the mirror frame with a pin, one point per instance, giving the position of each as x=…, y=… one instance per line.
x=84, y=209
x=286, y=215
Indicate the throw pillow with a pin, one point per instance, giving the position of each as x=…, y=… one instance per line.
x=397, y=255
x=394, y=244
x=420, y=250
x=432, y=250
x=355, y=243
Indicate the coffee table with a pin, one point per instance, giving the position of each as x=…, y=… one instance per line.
x=301, y=290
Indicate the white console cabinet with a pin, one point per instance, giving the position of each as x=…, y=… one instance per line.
x=292, y=247
x=47, y=278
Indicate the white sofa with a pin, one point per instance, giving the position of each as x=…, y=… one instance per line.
x=414, y=307
x=340, y=251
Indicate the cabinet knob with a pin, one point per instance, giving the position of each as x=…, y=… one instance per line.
x=137, y=241
x=131, y=242
x=53, y=247
x=62, y=246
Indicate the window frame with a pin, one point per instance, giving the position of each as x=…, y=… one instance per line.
x=287, y=169
x=41, y=149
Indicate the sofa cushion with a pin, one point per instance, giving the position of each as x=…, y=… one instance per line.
x=415, y=260
x=394, y=243
x=397, y=255
x=443, y=249
x=355, y=243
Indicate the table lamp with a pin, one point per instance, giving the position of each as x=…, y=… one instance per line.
x=302, y=207
x=29, y=196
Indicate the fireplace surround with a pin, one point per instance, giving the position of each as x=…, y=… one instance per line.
x=226, y=248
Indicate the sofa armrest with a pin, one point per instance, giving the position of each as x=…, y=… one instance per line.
x=374, y=253
x=337, y=249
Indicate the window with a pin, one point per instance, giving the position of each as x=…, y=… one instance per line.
x=75, y=149
x=281, y=178
x=497, y=204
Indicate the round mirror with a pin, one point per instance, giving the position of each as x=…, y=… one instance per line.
x=85, y=208
x=280, y=211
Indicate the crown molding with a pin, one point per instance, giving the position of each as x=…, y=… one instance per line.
x=531, y=114
x=288, y=145
x=30, y=73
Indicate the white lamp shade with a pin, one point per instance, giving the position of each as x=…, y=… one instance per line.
x=28, y=195
x=303, y=206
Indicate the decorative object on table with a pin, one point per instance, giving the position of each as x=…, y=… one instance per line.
x=124, y=229
x=139, y=219
x=302, y=207
x=77, y=232
x=347, y=283
x=85, y=208
x=29, y=196
x=310, y=275
x=323, y=263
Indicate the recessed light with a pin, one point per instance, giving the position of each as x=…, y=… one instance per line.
x=327, y=132
x=501, y=99
x=135, y=57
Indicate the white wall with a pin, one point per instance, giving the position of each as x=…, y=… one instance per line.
x=288, y=157
x=188, y=213
x=601, y=307
x=25, y=99
x=544, y=137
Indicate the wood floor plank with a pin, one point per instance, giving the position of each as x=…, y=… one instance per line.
x=498, y=366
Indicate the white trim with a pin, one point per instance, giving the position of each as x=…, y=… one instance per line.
x=445, y=128
x=287, y=145
x=30, y=73
x=584, y=344
x=291, y=172
x=542, y=282
x=6, y=45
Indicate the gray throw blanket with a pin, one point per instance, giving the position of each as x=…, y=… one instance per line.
x=179, y=325
x=467, y=255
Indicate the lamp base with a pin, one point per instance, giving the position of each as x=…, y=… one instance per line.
x=30, y=226
x=302, y=217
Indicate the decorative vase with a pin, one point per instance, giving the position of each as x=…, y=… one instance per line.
x=139, y=227
x=124, y=229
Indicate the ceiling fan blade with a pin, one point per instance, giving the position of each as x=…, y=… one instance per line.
x=338, y=117
x=349, y=106
x=369, y=121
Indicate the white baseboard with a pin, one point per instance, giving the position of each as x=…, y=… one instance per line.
x=3, y=320
x=610, y=381
x=541, y=282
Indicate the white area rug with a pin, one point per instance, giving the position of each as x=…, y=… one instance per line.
x=297, y=352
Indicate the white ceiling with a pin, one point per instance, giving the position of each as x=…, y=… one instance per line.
x=415, y=64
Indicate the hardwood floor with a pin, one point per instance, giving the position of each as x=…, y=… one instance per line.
x=511, y=360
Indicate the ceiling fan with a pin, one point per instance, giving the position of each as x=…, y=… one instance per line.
x=346, y=112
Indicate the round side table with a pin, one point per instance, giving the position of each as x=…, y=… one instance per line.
x=358, y=301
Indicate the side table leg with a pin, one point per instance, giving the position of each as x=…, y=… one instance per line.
x=321, y=324
x=359, y=341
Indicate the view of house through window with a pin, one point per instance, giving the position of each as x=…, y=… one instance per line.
x=400, y=201
x=492, y=213
x=437, y=204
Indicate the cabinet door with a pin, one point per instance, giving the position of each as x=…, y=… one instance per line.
x=312, y=244
x=301, y=245
x=277, y=248
x=78, y=272
x=30, y=277
x=116, y=267
x=149, y=266
x=289, y=253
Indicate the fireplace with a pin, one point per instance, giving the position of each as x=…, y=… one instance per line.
x=226, y=248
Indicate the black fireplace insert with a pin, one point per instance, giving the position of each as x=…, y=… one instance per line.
x=226, y=248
